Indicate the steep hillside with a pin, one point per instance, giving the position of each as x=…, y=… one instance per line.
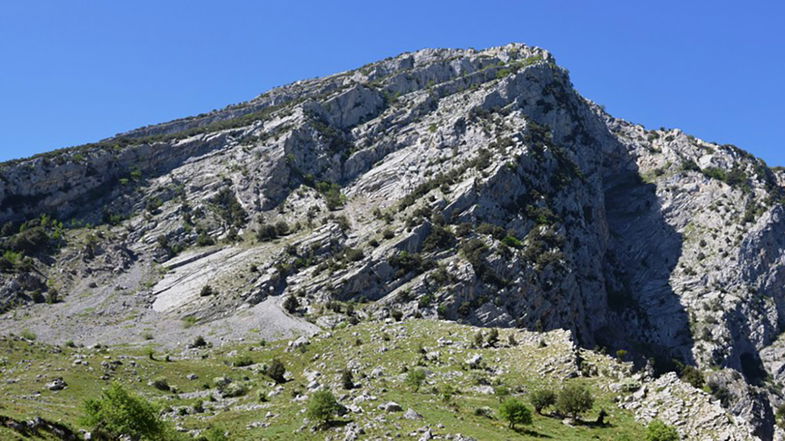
x=457, y=398
x=474, y=186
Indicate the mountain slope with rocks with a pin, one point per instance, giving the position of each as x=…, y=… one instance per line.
x=471, y=185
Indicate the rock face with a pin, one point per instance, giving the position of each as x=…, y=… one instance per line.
x=473, y=185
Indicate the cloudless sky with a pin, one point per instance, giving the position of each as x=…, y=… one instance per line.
x=76, y=71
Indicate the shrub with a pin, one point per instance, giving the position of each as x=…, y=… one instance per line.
x=439, y=238
x=119, y=412
x=659, y=431
x=493, y=337
x=353, y=254
x=542, y=398
x=204, y=240
x=415, y=378
x=692, y=375
x=332, y=195
x=347, y=379
x=291, y=304
x=779, y=416
x=515, y=412
x=28, y=335
x=242, y=361
x=397, y=314
x=404, y=262
x=276, y=371
x=199, y=342
x=322, y=406
x=161, y=383
x=281, y=228
x=227, y=206
x=512, y=242
x=574, y=399
x=266, y=232
x=207, y=290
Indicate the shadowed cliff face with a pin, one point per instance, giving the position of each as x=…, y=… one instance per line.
x=471, y=185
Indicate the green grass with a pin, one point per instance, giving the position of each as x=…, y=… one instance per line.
x=25, y=361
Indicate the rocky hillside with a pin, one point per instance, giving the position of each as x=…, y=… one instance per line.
x=474, y=186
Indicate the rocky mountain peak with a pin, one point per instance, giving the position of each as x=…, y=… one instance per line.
x=470, y=185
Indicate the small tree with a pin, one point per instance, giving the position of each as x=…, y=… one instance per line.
x=574, y=399
x=659, y=431
x=478, y=339
x=291, y=304
x=321, y=407
x=347, y=379
x=515, y=412
x=276, y=371
x=542, y=398
x=493, y=337
x=119, y=412
x=199, y=342
x=415, y=378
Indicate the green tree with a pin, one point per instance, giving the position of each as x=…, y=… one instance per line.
x=119, y=412
x=659, y=431
x=542, y=398
x=515, y=412
x=276, y=371
x=347, y=379
x=415, y=378
x=574, y=399
x=322, y=406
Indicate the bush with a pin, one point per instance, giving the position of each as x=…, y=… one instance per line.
x=242, y=361
x=281, y=228
x=266, y=232
x=439, y=238
x=659, y=431
x=291, y=304
x=332, y=195
x=119, y=412
x=28, y=335
x=515, y=412
x=204, y=240
x=542, y=398
x=779, y=416
x=347, y=379
x=353, y=254
x=322, y=406
x=415, y=378
x=493, y=337
x=692, y=375
x=276, y=371
x=207, y=290
x=199, y=342
x=161, y=383
x=574, y=399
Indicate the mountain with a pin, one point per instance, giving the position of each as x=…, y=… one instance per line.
x=474, y=186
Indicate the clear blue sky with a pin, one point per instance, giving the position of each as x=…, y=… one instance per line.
x=77, y=71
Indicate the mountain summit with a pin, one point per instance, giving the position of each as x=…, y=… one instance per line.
x=470, y=185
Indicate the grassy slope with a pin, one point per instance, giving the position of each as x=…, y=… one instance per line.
x=517, y=367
